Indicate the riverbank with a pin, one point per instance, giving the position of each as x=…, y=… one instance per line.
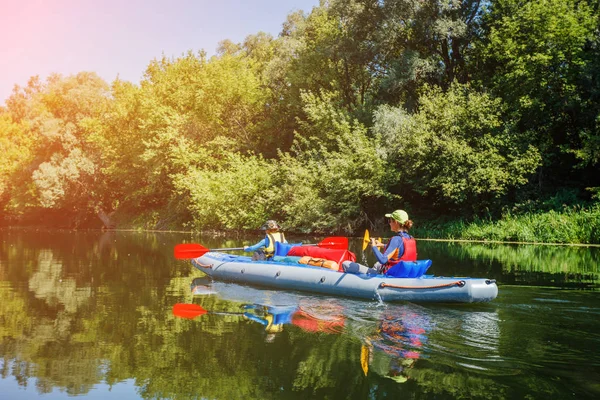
x=572, y=226
x=577, y=225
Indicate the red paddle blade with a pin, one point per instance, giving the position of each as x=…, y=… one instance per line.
x=334, y=242
x=189, y=250
x=188, y=310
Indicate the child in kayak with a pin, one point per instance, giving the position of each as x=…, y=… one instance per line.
x=401, y=247
x=265, y=249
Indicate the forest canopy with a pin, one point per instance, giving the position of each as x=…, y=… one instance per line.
x=451, y=110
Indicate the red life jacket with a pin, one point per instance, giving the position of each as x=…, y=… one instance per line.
x=410, y=253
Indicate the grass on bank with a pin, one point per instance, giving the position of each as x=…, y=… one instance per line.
x=576, y=225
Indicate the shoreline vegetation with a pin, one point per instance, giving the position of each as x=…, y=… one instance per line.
x=480, y=119
x=574, y=227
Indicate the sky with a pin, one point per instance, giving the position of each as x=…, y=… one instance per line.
x=119, y=38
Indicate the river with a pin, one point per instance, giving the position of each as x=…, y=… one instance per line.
x=90, y=314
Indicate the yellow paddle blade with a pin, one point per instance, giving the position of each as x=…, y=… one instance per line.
x=366, y=240
x=364, y=359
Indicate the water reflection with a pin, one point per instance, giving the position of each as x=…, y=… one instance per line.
x=388, y=341
x=50, y=284
x=397, y=343
x=85, y=313
x=481, y=331
x=310, y=316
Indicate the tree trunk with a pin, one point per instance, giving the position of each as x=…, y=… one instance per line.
x=106, y=218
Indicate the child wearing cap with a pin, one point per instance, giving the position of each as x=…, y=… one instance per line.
x=401, y=247
x=266, y=248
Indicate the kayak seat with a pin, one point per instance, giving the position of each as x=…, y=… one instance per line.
x=282, y=249
x=409, y=269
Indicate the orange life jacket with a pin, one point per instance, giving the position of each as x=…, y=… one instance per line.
x=410, y=253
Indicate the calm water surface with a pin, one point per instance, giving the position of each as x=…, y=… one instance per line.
x=90, y=314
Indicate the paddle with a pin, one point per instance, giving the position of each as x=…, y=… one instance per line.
x=299, y=318
x=191, y=311
x=193, y=250
x=365, y=353
x=366, y=240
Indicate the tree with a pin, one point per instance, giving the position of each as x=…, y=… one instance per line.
x=422, y=42
x=61, y=121
x=15, y=147
x=538, y=56
x=240, y=192
x=457, y=152
x=332, y=49
x=189, y=105
x=333, y=177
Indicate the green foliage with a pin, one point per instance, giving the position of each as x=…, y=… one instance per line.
x=499, y=106
x=456, y=152
x=15, y=147
x=539, y=56
x=426, y=42
x=122, y=146
x=163, y=128
x=60, y=120
x=189, y=101
x=322, y=186
x=333, y=171
x=239, y=192
x=61, y=175
x=570, y=225
x=538, y=47
x=334, y=49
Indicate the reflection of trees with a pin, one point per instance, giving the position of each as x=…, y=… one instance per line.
x=289, y=364
x=14, y=320
x=78, y=311
x=76, y=305
x=47, y=283
x=327, y=365
x=554, y=259
x=471, y=339
x=458, y=385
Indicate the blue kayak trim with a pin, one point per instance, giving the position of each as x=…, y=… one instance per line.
x=301, y=277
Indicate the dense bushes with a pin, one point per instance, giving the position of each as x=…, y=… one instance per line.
x=461, y=110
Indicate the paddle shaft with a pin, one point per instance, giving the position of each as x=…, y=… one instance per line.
x=183, y=251
x=242, y=248
x=193, y=250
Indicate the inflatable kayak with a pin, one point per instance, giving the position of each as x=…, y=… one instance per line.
x=304, y=277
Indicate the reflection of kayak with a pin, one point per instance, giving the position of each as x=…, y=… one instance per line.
x=283, y=275
x=273, y=318
x=313, y=323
